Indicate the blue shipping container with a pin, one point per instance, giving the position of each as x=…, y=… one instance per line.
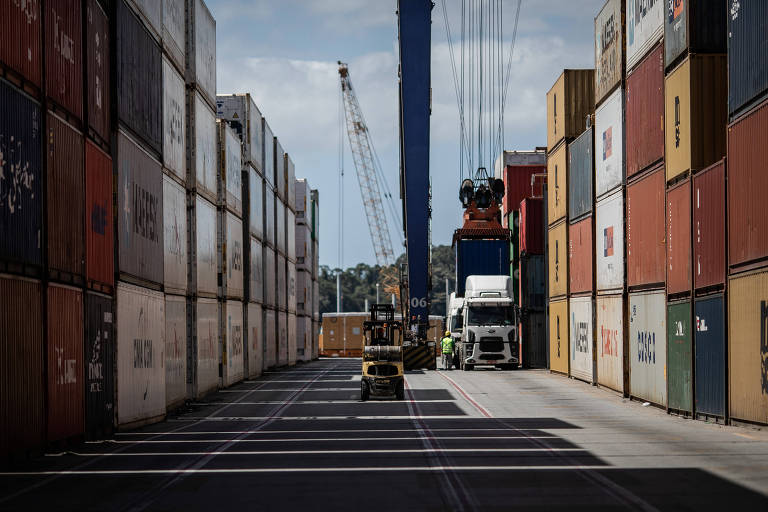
x=480, y=258
x=21, y=164
x=709, y=347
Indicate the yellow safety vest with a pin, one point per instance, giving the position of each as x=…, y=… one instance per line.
x=447, y=345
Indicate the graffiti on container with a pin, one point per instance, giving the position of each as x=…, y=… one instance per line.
x=581, y=343
x=677, y=121
x=608, y=143
x=66, y=369
x=98, y=218
x=236, y=263
x=16, y=176
x=609, y=339
x=764, y=346
x=95, y=366
x=701, y=324
x=646, y=347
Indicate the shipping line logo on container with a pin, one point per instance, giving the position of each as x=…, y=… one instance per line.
x=140, y=211
x=701, y=324
x=236, y=335
x=674, y=10
x=609, y=341
x=236, y=263
x=608, y=241
x=581, y=343
x=16, y=176
x=95, y=365
x=175, y=366
x=607, y=143
x=143, y=355
x=606, y=39
x=764, y=346
x=646, y=347
x=66, y=369
x=97, y=46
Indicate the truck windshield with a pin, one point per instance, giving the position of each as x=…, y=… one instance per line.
x=490, y=315
x=457, y=321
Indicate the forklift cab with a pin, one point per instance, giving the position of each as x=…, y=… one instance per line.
x=382, y=355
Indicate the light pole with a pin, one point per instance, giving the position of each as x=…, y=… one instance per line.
x=377, y=293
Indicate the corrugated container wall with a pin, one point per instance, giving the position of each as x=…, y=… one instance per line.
x=282, y=286
x=531, y=226
x=203, y=271
x=609, y=48
x=645, y=112
x=205, y=376
x=270, y=277
x=680, y=356
x=645, y=27
x=21, y=38
x=290, y=235
x=174, y=237
x=99, y=220
x=581, y=175
x=151, y=14
x=255, y=340
x=290, y=178
x=648, y=346
x=609, y=144
x=557, y=189
x=256, y=203
x=100, y=366
x=558, y=260
x=66, y=197
x=64, y=54
x=517, y=168
x=709, y=226
x=22, y=421
x=270, y=337
x=558, y=336
x=139, y=79
x=747, y=183
x=240, y=111
x=292, y=341
x=232, y=341
x=582, y=339
x=174, y=31
x=646, y=238
x=282, y=338
x=230, y=169
x=174, y=121
x=710, y=348
x=269, y=154
x=65, y=362
x=694, y=114
x=21, y=198
x=201, y=147
x=569, y=101
x=610, y=341
x=302, y=201
x=290, y=277
x=679, y=238
x=609, y=242
x=231, y=253
x=98, y=81
x=581, y=250
x=747, y=349
x=279, y=177
x=201, y=49
x=533, y=282
x=269, y=215
x=747, y=65
x=256, y=289
x=694, y=26
x=139, y=212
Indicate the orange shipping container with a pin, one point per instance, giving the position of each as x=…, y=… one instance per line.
x=679, y=238
x=581, y=252
x=646, y=238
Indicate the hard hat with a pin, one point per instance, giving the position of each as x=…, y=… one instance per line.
x=447, y=333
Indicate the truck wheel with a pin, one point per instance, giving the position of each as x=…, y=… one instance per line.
x=365, y=392
x=468, y=367
x=400, y=391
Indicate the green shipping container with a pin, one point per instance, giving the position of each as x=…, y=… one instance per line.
x=679, y=361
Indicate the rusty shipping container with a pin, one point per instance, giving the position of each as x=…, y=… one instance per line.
x=680, y=357
x=645, y=27
x=747, y=183
x=558, y=336
x=21, y=39
x=256, y=274
x=99, y=366
x=609, y=144
x=205, y=349
x=648, y=346
x=692, y=26
x=97, y=80
x=516, y=168
x=747, y=65
x=679, y=277
x=201, y=50
x=695, y=114
x=710, y=347
x=203, y=256
x=709, y=226
x=531, y=226
x=174, y=31
x=646, y=239
x=747, y=347
x=581, y=250
x=175, y=351
x=99, y=220
x=66, y=197
x=557, y=188
x=22, y=393
x=174, y=237
x=21, y=198
x=558, y=260
x=230, y=168
x=242, y=114
x=65, y=362
x=174, y=121
x=202, y=158
x=581, y=175
x=64, y=54
x=255, y=340
x=645, y=112
x=610, y=333
x=569, y=101
x=139, y=75
x=609, y=48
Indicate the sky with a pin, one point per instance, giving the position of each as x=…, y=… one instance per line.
x=285, y=53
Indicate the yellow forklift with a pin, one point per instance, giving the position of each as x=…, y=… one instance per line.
x=382, y=355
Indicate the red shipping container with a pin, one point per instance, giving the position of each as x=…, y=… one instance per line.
x=581, y=253
x=645, y=112
x=66, y=197
x=64, y=54
x=709, y=226
x=20, y=31
x=97, y=68
x=65, y=362
x=100, y=242
x=22, y=391
x=646, y=237
x=747, y=186
x=679, y=238
x=531, y=226
x=517, y=185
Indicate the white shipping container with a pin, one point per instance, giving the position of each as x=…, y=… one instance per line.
x=270, y=338
x=304, y=292
x=175, y=350
x=174, y=119
x=256, y=288
x=648, y=346
x=174, y=29
x=140, y=344
x=256, y=203
x=315, y=258
x=279, y=178
x=290, y=235
x=609, y=242
x=255, y=340
x=207, y=347
x=291, y=332
x=230, y=169
x=303, y=347
x=300, y=200
x=645, y=26
x=303, y=247
x=280, y=225
x=174, y=236
x=269, y=154
x=204, y=268
x=290, y=179
x=240, y=111
x=270, y=277
x=232, y=342
x=282, y=338
x=282, y=285
x=582, y=366
x=315, y=300
x=151, y=14
x=315, y=337
x=609, y=144
x=610, y=341
x=201, y=49
x=269, y=215
x=291, y=282
x=202, y=158
x=231, y=255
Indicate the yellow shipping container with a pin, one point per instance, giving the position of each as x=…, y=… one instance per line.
x=569, y=102
x=748, y=347
x=558, y=336
x=557, y=178
x=695, y=114
x=558, y=260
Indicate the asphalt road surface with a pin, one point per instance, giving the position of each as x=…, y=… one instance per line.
x=300, y=439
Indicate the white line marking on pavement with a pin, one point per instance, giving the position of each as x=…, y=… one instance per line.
x=318, y=452
x=323, y=402
x=323, y=431
x=321, y=439
x=313, y=418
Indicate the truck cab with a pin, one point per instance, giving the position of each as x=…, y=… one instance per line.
x=455, y=323
x=489, y=330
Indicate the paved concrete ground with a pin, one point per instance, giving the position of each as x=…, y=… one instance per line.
x=299, y=439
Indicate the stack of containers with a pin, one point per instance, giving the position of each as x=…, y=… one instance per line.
x=695, y=138
x=138, y=162
x=269, y=244
x=532, y=284
x=609, y=192
x=516, y=169
x=280, y=259
x=569, y=102
x=241, y=113
x=747, y=226
x=315, y=234
x=203, y=317
x=290, y=257
x=304, y=260
x=174, y=199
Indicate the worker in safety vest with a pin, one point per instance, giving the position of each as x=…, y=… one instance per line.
x=446, y=344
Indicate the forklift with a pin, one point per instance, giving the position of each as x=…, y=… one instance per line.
x=382, y=355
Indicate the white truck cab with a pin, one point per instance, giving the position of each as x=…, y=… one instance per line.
x=489, y=333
